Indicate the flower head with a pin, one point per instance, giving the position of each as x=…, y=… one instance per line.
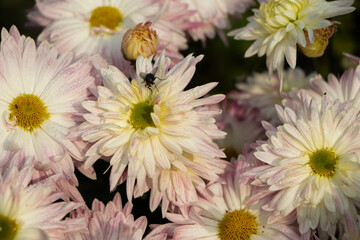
x=25, y=207
x=228, y=215
x=262, y=92
x=41, y=102
x=313, y=162
x=149, y=127
x=141, y=40
x=278, y=26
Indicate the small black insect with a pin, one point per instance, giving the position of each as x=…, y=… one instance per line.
x=149, y=79
x=16, y=106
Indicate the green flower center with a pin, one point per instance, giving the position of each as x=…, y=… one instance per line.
x=8, y=228
x=140, y=116
x=238, y=225
x=29, y=112
x=323, y=162
x=108, y=17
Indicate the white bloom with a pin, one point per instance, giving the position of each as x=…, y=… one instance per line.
x=313, y=164
x=31, y=210
x=279, y=25
x=41, y=95
x=262, y=92
x=154, y=124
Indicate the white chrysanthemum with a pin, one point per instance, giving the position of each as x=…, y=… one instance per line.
x=262, y=92
x=31, y=210
x=145, y=125
x=345, y=88
x=279, y=25
x=313, y=164
x=41, y=95
x=227, y=215
x=98, y=26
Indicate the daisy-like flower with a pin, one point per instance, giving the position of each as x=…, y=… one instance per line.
x=262, y=92
x=152, y=123
x=278, y=26
x=112, y=221
x=40, y=103
x=314, y=164
x=344, y=89
x=89, y=27
x=229, y=215
x=31, y=210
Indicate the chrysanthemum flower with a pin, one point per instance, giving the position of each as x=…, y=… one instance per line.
x=31, y=210
x=146, y=127
x=89, y=27
x=279, y=25
x=344, y=89
x=213, y=16
x=262, y=92
x=313, y=164
x=112, y=221
x=229, y=216
x=40, y=102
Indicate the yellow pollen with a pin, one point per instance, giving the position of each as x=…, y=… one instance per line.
x=8, y=228
x=108, y=17
x=140, y=116
x=29, y=112
x=323, y=162
x=238, y=225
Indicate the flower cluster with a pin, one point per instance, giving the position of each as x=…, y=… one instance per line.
x=108, y=82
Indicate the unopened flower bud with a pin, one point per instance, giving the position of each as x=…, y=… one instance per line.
x=141, y=40
x=321, y=40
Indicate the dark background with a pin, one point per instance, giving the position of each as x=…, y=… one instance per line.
x=223, y=64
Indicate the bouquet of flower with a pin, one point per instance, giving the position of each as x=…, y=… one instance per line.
x=105, y=108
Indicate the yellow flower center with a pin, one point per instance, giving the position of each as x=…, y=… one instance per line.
x=140, y=116
x=29, y=112
x=323, y=162
x=108, y=17
x=238, y=225
x=8, y=228
x=278, y=13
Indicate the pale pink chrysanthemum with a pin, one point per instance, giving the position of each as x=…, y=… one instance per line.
x=278, y=27
x=313, y=164
x=41, y=102
x=229, y=215
x=110, y=221
x=89, y=27
x=213, y=16
x=344, y=89
x=145, y=127
x=262, y=92
x=31, y=210
x=241, y=122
